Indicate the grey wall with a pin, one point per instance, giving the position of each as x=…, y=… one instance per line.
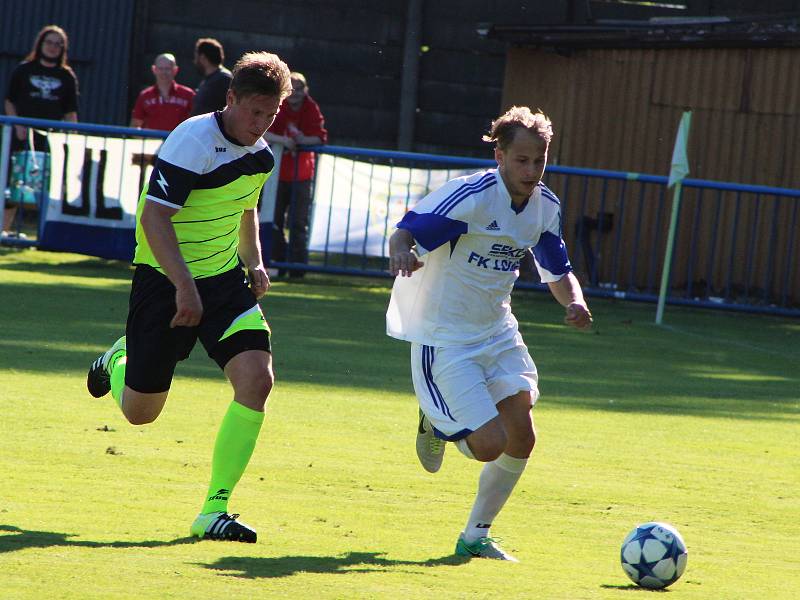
x=351, y=52
x=99, y=40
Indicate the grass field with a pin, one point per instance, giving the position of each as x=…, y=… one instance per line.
x=696, y=423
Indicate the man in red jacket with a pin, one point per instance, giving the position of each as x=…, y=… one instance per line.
x=299, y=123
x=166, y=104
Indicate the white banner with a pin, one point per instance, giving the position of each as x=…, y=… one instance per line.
x=97, y=180
x=95, y=183
x=357, y=204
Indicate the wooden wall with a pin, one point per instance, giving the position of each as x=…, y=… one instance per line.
x=619, y=109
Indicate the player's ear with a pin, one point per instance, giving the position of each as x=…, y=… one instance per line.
x=230, y=97
x=498, y=155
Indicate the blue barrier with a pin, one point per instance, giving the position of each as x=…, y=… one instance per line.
x=736, y=244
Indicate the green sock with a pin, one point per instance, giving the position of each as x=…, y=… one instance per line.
x=232, y=451
x=117, y=370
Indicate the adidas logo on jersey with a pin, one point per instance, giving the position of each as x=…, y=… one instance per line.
x=493, y=226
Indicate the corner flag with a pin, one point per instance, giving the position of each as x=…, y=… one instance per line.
x=678, y=171
x=680, y=162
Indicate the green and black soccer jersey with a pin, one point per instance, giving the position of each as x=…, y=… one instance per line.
x=212, y=180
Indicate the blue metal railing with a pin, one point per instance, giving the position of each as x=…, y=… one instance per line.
x=615, y=225
x=736, y=244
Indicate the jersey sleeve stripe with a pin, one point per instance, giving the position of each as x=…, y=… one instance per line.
x=550, y=195
x=164, y=202
x=454, y=196
x=484, y=187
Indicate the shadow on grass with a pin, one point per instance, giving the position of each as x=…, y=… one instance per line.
x=90, y=267
x=13, y=538
x=632, y=587
x=350, y=562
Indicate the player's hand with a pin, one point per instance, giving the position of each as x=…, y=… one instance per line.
x=578, y=316
x=189, y=307
x=259, y=281
x=404, y=263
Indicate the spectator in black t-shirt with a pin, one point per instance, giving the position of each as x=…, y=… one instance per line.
x=213, y=89
x=43, y=86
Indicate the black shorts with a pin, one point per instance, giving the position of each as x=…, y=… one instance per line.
x=154, y=348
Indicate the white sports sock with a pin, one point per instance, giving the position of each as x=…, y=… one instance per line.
x=495, y=484
x=463, y=447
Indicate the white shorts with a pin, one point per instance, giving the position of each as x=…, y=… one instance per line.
x=458, y=386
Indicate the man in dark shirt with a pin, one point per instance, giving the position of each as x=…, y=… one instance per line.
x=212, y=91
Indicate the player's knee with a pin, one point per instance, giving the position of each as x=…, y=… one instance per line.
x=528, y=440
x=140, y=418
x=489, y=448
x=258, y=385
x=488, y=453
x=141, y=409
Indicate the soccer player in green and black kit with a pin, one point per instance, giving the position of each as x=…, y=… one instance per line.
x=199, y=273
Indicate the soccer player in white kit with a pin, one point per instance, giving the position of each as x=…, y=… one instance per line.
x=457, y=255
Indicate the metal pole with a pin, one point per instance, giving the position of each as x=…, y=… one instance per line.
x=673, y=224
x=410, y=76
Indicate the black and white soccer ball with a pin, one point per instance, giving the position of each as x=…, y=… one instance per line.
x=654, y=555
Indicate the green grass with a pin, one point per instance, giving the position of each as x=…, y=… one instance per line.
x=695, y=424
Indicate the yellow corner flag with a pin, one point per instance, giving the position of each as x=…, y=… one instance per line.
x=680, y=162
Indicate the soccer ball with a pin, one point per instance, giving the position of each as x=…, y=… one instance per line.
x=653, y=555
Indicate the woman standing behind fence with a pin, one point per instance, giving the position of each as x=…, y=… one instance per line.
x=43, y=86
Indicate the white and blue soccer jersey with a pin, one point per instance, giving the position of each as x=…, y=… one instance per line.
x=471, y=240
x=211, y=179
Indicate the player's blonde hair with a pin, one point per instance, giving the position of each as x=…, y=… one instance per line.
x=505, y=127
x=262, y=74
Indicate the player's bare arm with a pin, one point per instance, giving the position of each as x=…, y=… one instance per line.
x=568, y=292
x=403, y=260
x=250, y=253
x=160, y=233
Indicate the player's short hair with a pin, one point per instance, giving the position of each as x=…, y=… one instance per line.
x=211, y=49
x=262, y=74
x=505, y=127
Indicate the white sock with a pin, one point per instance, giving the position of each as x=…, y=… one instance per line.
x=495, y=484
x=463, y=447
